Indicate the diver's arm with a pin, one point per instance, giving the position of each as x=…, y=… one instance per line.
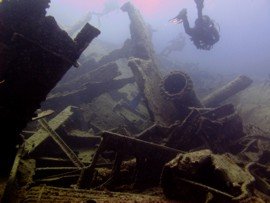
x=199, y=13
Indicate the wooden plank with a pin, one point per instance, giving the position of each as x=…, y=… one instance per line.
x=41, y=135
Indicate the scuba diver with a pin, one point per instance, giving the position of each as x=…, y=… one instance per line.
x=109, y=6
x=176, y=44
x=205, y=33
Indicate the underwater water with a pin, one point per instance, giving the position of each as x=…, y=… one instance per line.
x=241, y=50
x=244, y=29
x=139, y=101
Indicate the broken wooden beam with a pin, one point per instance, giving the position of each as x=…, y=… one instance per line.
x=78, y=25
x=42, y=114
x=104, y=73
x=10, y=188
x=238, y=84
x=61, y=143
x=84, y=37
x=56, y=123
x=85, y=94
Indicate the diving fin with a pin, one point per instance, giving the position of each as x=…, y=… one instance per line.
x=179, y=18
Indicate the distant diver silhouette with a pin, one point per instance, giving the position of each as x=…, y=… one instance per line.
x=205, y=32
x=176, y=44
x=109, y=6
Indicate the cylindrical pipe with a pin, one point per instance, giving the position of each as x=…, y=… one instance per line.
x=178, y=87
x=238, y=84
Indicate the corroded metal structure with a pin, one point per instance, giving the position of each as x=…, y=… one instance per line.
x=233, y=87
x=178, y=86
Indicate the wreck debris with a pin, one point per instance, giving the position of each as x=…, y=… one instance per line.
x=77, y=26
x=212, y=128
x=207, y=188
x=124, y=52
x=144, y=152
x=191, y=176
x=84, y=38
x=87, y=87
x=42, y=114
x=261, y=174
x=147, y=77
x=103, y=73
x=46, y=193
x=140, y=36
x=140, y=44
x=217, y=129
x=196, y=128
x=28, y=66
x=254, y=148
x=107, y=96
x=238, y=84
x=66, y=117
x=70, y=154
x=145, y=69
x=218, y=112
x=182, y=136
x=26, y=172
x=19, y=38
x=178, y=86
x=9, y=190
x=86, y=93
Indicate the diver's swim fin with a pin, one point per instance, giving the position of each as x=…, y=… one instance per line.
x=175, y=21
x=179, y=18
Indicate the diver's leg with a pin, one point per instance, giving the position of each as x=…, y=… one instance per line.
x=187, y=28
x=199, y=4
x=182, y=17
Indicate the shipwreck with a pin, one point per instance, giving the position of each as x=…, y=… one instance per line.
x=116, y=129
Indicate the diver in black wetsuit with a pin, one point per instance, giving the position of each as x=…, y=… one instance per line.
x=204, y=34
